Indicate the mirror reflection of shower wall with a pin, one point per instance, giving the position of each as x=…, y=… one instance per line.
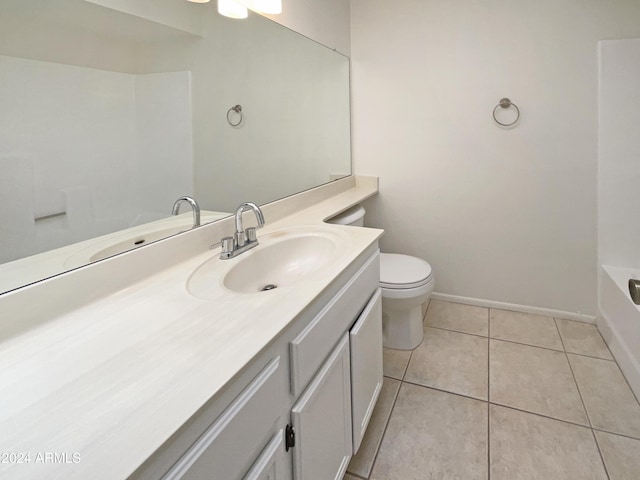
x=107, y=117
x=83, y=151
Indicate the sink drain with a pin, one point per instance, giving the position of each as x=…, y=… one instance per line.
x=266, y=288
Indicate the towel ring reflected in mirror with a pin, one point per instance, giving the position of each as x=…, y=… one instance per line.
x=237, y=109
x=506, y=103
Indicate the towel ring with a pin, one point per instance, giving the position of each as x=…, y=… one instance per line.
x=506, y=103
x=238, y=110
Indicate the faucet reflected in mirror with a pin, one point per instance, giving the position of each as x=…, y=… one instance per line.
x=194, y=206
x=114, y=166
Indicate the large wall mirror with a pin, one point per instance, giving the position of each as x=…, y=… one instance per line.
x=112, y=109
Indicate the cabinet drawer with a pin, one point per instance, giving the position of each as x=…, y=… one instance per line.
x=229, y=447
x=310, y=348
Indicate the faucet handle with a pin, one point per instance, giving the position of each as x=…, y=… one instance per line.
x=240, y=238
x=251, y=234
x=227, y=245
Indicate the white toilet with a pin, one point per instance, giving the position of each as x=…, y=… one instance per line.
x=406, y=283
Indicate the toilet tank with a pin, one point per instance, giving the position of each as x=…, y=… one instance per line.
x=353, y=216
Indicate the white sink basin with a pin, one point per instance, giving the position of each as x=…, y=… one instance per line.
x=282, y=258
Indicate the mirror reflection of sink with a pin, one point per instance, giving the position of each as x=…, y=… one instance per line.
x=134, y=237
x=135, y=242
x=282, y=258
x=121, y=243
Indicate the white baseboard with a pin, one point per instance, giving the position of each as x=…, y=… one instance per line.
x=580, y=317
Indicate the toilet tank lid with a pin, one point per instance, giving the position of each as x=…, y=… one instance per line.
x=349, y=216
x=397, y=269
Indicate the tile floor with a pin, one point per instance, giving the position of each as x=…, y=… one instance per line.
x=500, y=395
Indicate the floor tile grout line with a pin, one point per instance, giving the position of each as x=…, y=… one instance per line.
x=564, y=348
x=511, y=407
x=627, y=382
x=584, y=406
x=612, y=359
x=406, y=367
x=488, y=395
x=591, y=356
x=520, y=343
x=424, y=320
x=456, y=331
x=384, y=431
x=457, y=394
x=604, y=464
x=526, y=344
x=617, y=365
x=573, y=375
x=624, y=377
x=437, y=390
x=624, y=435
x=542, y=415
x=488, y=441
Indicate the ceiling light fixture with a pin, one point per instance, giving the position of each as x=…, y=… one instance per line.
x=232, y=9
x=239, y=8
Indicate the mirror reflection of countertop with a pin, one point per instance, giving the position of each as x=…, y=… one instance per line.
x=113, y=379
x=54, y=262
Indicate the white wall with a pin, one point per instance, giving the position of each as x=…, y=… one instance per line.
x=619, y=158
x=506, y=215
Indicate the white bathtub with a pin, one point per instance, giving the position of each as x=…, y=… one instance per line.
x=619, y=320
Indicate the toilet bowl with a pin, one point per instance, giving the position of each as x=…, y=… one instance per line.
x=406, y=283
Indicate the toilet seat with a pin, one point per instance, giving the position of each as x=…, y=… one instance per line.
x=402, y=272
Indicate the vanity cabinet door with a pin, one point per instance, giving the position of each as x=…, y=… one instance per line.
x=322, y=420
x=365, y=340
x=239, y=441
x=271, y=465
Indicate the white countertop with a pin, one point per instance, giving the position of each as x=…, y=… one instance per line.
x=108, y=383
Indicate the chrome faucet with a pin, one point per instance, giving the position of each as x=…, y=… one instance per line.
x=194, y=207
x=242, y=239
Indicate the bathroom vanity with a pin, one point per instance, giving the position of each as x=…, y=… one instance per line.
x=174, y=371
x=309, y=396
